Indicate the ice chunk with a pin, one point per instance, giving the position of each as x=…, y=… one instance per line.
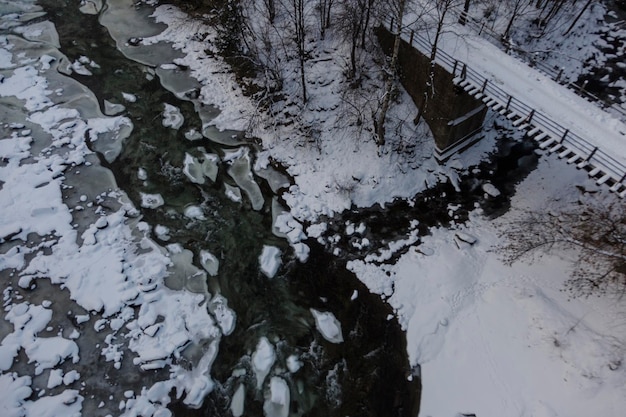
x=112, y=109
x=209, y=166
x=224, y=316
x=293, y=364
x=270, y=260
x=193, y=134
x=241, y=172
x=55, y=378
x=277, y=405
x=70, y=377
x=193, y=169
x=131, y=98
x=302, y=251
x=162, y=232
x=151, y=200
x=233, y=193
x=194, y=212
x=262, y=360
x=296, y=235
x=172, y=117
x=328, y=326
x=237, y=402
x=209, y=262
x=490, y=190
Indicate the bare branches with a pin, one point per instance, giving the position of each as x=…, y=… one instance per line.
x=597, y=234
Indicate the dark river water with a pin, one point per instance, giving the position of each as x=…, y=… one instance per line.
x=366, y=375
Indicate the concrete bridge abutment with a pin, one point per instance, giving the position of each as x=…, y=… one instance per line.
x=454, y=117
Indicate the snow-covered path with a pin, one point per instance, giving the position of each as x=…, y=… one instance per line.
x=556, y=110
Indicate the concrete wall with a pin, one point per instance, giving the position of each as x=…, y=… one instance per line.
x=448, y=104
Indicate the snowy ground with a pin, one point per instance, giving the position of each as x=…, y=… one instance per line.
x=491, y=339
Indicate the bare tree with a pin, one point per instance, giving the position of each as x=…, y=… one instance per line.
x=351, y=19
x=439, y=12
x=299, y=27
x=463, y=16
x=519, y=8
x=390, y=72
x=596, y=232
x=324, y=7
x=578, y=16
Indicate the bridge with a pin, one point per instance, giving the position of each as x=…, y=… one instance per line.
x=560, y=121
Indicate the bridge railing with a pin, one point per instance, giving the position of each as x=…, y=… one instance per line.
x=590, y=153
x=536, y=60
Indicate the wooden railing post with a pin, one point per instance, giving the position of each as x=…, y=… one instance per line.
x=508, y=102
x=411, y=40
x=391, y=25
x=565, y=135
x=454, y=67
x=591, y=154
x=530, y=116
x=484, y=86
x=558, y=76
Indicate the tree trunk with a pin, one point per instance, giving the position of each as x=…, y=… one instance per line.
x=368, y=12
x=298, y=8
x=433, y=55
x=582, y=11
x=463, y=17
x=380, y=121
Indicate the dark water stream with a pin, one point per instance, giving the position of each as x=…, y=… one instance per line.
x=440, y=206
x=366, y=375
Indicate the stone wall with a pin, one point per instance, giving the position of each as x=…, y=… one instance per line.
x=453, y=115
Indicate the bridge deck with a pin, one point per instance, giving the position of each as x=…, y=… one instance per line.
x=561, y=121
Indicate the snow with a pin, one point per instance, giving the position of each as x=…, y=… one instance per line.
x=499, y=340
x=491, y=339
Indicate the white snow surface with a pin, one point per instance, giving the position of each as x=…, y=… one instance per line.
x=491, y=339
x=499, y=340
